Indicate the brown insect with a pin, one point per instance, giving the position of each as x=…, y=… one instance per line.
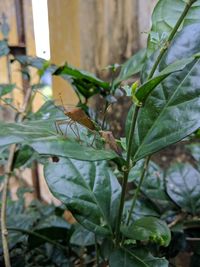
x=75, y=115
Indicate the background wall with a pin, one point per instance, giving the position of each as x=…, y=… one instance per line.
x=92, y=34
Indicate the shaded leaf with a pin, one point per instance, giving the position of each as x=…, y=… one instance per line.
x=148, y=229
x=153, y=186
x=164, y=17
x=183, y=187
x=83, y=82
x=82, y=237
x=132, y=66
x=42, y=137
x=145, y=89
x=4, y=49
x=136, y=257
x=195, y=151
x=88, y=189
x=6, y=88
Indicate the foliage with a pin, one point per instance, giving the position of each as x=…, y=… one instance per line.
x=83, y=163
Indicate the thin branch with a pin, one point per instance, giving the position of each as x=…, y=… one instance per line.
x=8, y=170
x=171, y=36
x=146, y=163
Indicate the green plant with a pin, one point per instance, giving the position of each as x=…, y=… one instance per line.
x=165, y=110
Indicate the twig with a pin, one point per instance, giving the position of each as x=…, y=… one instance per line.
x=178, y=218
x=8, y=170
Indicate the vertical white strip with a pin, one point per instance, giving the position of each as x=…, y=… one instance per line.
x=41, y=28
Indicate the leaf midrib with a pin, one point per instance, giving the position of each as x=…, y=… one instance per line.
x=161, y=113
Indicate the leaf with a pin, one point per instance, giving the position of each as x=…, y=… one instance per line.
x=4, y=49
x=83, y=82
x=195, y=151
x=164, y=17
x=146, y=88
x=143, y=207
x=183, y=187
x=82, y=237
x=148, y=229
x=23, y=156
x=6, y=88
x=132, y=66
x=52, y=233
x=35, y=62
x=135, y=258
x=89, y=190
x=172, y=110
x=42, y=137
x=153, y=186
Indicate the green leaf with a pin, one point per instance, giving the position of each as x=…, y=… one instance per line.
x=143, y=208
x=183, y=187
x=89, y=190
x=52, y=233
x=42, y=137
x=82, y=237
x=84, y=82
x=24, y=156
x=148, y=229
x=146, y=88
x=153, y=186
x=172, y=110
x=132, y=66
x=135, y=258
x=4, y=49
x=35, y=62
x=195, y=151
x=6, y=88
x=164, y=17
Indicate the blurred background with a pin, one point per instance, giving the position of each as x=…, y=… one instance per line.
x=89, y=34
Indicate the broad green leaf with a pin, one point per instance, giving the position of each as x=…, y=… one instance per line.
x=143, y=207
x=145, y=89
x=71, y=149
x=153, y=186
x=164, y=17
x=4, y=49
x=148, y=229
x=132, y=66
x=41, y=135
x=84, y=82
x=89, y=190
x=195, y=151
x=51, y=233
x=172, y=110
x=6, y=88
x=24, y=156
x=82, y=237
x=135, y=258
x=183, y=187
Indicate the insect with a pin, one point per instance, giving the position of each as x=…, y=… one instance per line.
x=76, y=115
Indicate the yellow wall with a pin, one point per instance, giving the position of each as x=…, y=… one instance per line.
x=64, y=42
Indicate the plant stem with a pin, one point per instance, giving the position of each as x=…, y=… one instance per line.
x=27, y=232
x=170, y=38
x=134, y=120
x=146, y=163
x=126, y=172
x=8, y=170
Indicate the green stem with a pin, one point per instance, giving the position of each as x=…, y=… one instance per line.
x=146, y=163
x=170, y=38
x=134, y=120
x=126, y=172
x=27, y=232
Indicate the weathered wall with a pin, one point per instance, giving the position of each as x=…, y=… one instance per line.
x=92, y=34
